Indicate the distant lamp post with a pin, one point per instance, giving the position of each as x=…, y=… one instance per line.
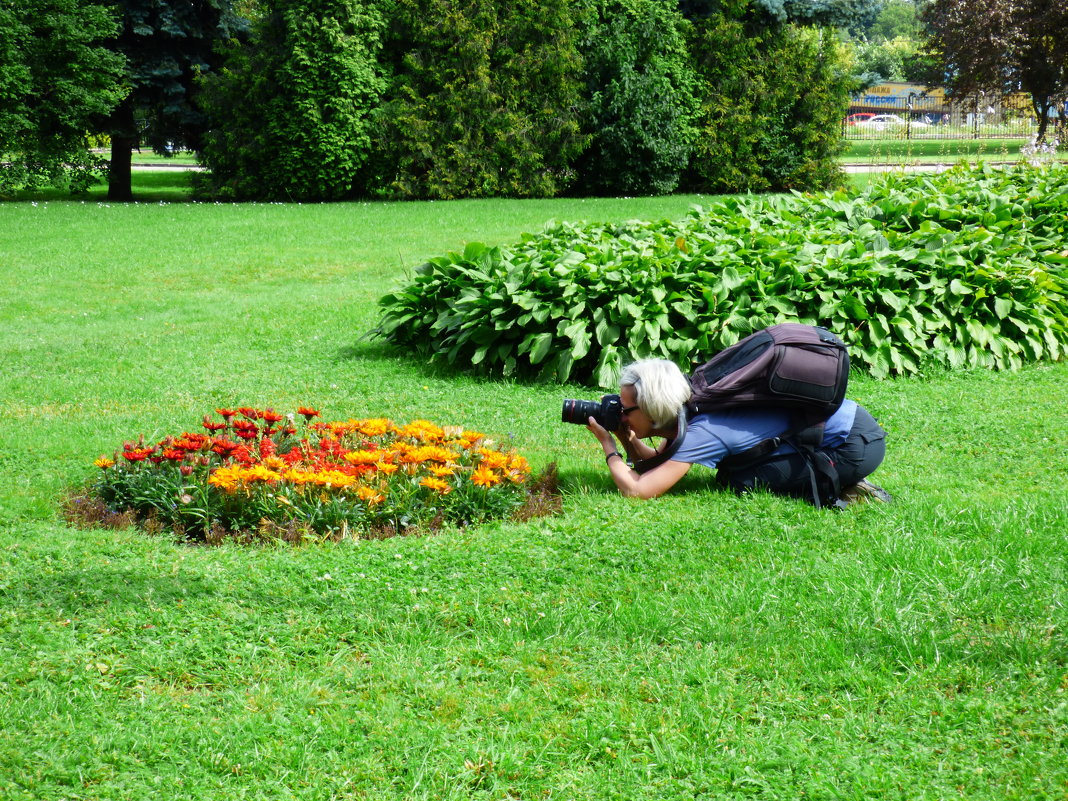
x=908, y=116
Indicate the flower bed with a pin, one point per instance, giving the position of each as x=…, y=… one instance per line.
x=258, y=472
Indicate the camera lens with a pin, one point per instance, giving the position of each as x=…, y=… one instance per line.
x=579, y=411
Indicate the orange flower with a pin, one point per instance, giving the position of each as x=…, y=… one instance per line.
x=104, y=463
x=387, y=467
x=307, y=413
x=440, y=471
x=369, y=495
x=275, y=463
x=436, y=484
x=517, y=462
x=484, y=477
x=493, y=459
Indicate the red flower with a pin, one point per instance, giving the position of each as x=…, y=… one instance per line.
x=266, y=448
x=307, y=412
x=245, y=429
x=249, y=412
x=272, y=416
x=208, y=424
x=186, y=469
x=227, y=413
x=223, y=446
x=174, y=454
x=137, y=454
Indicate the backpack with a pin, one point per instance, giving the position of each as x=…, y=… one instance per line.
x=802, y=368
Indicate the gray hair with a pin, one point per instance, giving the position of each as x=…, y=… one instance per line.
x=660, y=388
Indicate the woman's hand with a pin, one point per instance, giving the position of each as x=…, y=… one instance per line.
x=602, y=434
x=649, y=485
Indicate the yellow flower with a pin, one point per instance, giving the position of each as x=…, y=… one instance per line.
x=363, y=457
x=422, y=430
x=484, y=477
x=436, y=484
x=225, y=478
x=333, y=478
x=104, y=463
x=387, y=468
x=260, y=473
x=299, y=476
x=375, y=427
x=428, y=453
x=275, y=463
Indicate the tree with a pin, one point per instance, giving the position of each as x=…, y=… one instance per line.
x=168, y=45
x=771, y=102
x=55, y=77
x=640, y=98
x=1003, y=46
x=484, y=100
x=897, y=20
x=291, y=113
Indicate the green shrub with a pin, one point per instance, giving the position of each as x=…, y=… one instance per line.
x=484, y=100
x=639, y=84
x=963, y=268
x=292, y=111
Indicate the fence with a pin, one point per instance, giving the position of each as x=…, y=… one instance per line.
x=908, y=111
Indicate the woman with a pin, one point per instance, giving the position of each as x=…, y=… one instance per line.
x=654, y=393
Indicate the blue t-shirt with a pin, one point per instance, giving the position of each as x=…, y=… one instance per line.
x=711, y=437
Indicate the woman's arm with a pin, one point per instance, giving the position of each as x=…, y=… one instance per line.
x=636, y=449
x=630, y=483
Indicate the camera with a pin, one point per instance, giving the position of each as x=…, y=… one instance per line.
x=608, y=411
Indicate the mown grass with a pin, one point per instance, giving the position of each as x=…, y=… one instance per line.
x=698, y=646
x=930, y=151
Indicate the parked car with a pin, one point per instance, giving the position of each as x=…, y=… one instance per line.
x=856, y=119
x=880, y=121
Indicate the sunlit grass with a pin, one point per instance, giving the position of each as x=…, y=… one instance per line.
x=699, y=646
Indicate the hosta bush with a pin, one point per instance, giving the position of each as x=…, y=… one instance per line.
x=966, y=268
x=256, y=472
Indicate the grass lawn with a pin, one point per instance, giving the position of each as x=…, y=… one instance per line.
x=931, y=151
x=697, y=646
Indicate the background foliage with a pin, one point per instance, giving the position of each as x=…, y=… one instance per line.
x=966, y=268
x=292, y=111
x=167, y=45
x=771, y=102
x=484, y=100
x=640, y=95
x=56, y=75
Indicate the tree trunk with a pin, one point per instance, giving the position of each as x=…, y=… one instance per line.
x=1042, y=110
x=123, y=141
x=120, y=186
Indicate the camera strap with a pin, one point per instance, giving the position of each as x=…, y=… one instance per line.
x=669, y=449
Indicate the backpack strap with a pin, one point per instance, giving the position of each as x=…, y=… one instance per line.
x=805, y=438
